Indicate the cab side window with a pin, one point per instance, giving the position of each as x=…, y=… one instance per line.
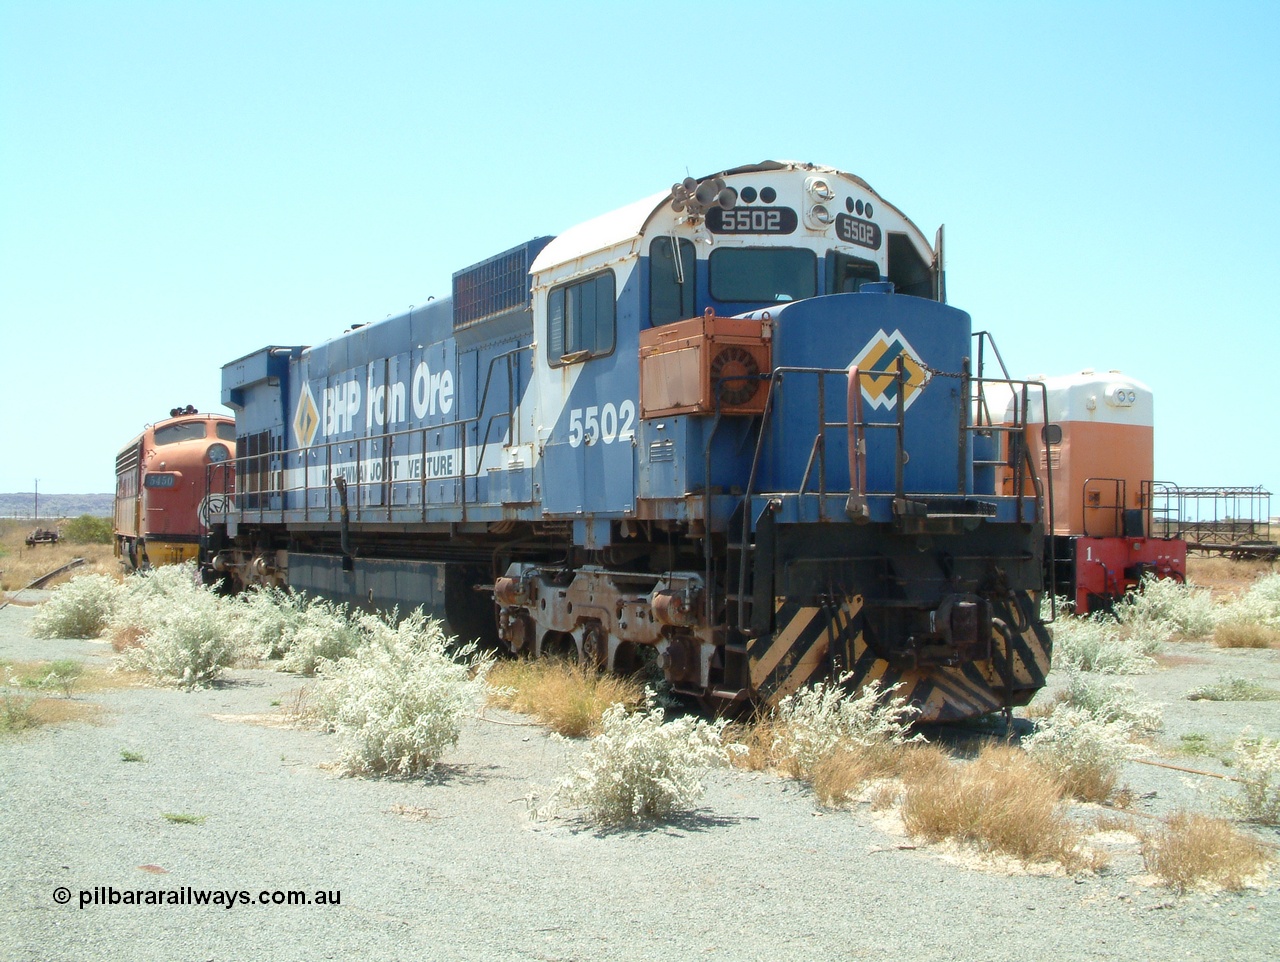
x=582, y=319
x=671, y=280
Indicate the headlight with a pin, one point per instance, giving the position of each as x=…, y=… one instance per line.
x=217, y=453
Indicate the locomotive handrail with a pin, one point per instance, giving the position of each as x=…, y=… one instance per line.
x=856, y=425
x=1119, y=489
x=1163, y=491
x=277, y=461
x=817, y=451
x=983, y=338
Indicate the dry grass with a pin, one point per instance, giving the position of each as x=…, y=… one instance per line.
x=1245, y=634
x=20, y=565
x=1224, y=576
x=20, y=712
x=124, y=637
x=1200, y=851
x=840, y=777
x=1002, y=802
x=1090, y=783
x=760, y=736
x=566, y=698
x=29, y=674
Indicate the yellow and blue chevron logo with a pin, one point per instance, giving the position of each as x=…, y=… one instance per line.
x=306, y=419
x=881, y=355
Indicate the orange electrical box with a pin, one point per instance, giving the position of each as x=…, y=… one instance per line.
x=689, y=366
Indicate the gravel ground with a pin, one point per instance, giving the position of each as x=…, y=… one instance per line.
x=756, y=872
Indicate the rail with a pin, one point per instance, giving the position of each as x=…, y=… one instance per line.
x=43, y=579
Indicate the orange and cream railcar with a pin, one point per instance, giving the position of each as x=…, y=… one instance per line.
x=163, y=495
x=1097, y=444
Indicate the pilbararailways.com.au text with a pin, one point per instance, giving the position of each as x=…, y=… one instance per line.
x=103, y=895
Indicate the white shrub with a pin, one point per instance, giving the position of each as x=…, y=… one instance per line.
x=1081, y=750
x=184, y=628
x=1095, y=643
x=814, y=720
x=1258, y=768
x=1115, y=702
x=1260, y=604
x=302, y=631
x=642, y=768
x=1163, y=606
x=265, y=621
x=81, y=608
x=397, y=704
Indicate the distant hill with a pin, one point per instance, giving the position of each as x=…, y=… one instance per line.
x=19, y=505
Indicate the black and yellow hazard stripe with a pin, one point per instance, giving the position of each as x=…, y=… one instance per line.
x=813, y=643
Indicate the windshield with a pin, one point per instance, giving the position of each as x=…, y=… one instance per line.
x=763, y=274
x=182, y=431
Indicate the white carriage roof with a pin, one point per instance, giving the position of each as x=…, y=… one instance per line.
x=627, y=223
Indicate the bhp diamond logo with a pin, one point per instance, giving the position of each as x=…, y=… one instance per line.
x=881, y=355
x=307, y=418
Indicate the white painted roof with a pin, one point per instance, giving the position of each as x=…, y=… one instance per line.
x=1107, y=397
x=599, y=233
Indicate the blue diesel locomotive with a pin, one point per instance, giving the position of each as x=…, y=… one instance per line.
x=733, y=427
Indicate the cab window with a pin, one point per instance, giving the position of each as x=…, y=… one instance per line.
x=182, y=431
x=767, y=275
x=581, y=319
x=848, y=273
x=671, y=280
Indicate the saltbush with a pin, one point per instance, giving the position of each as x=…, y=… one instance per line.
x=814, y=721
x=1095, y=643
x=1233, y=688
x=642, y=768
x=300, y=630
x=183, y=628
x=1113, y=702
x=1081, y=750
x=1257, y=763
x=1252, y=619
x=1260, y=603
x=265, y=622
x=81, y=608
x=397, y=704
x=1163, y=606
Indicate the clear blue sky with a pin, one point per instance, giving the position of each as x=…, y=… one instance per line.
x=181, y=183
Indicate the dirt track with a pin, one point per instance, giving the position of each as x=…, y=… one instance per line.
x=453, y=867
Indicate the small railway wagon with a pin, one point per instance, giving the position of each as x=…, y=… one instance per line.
x=733, y=428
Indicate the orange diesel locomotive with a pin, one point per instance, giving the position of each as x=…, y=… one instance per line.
x=163, y=496
x=1097, y=445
